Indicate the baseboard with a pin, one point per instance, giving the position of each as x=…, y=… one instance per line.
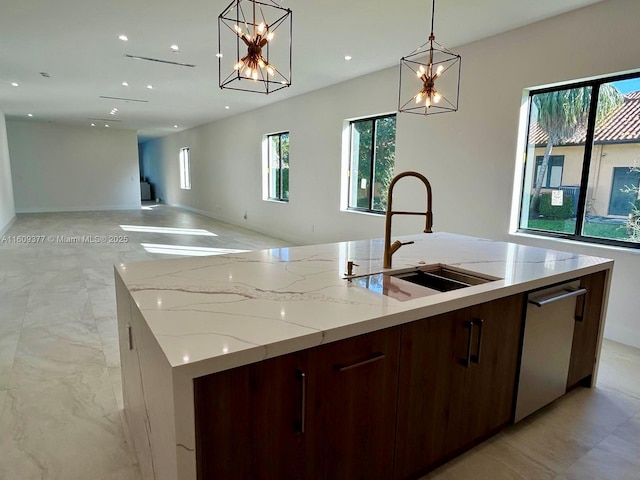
x=232, y=221
x=79, y=209
x=621, y=334
x=6, y=228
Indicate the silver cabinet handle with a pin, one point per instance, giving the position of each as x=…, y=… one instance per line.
x=375, y=358
x=467, y=361
x=303, y=399
x=580, y=318
x=476, y=358
x=562, y=296
x=130, y=337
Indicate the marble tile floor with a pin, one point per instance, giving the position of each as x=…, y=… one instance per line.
x=60, y=390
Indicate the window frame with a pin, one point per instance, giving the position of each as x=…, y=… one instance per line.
x=185, y=168
x=374, y=120
x=279, y=197
x=586, y=164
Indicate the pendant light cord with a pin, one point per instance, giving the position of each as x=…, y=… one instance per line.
x=433, y=9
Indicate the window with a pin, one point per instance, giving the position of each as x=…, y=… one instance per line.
x=371, y=162
x=553, y=176
x=581, y=176
x=185, y=169
x=278, y=166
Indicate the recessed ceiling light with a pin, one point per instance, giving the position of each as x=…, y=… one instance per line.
x=29, y=114
x=125, y=84
x=227, y=107
x=93, y=124
x=175, y=126
x=348, y=57
x=174, y=47
x=106, y=125
x=15, y=84
x=124, y=38
x=150, y=87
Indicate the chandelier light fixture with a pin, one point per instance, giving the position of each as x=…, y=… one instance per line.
x=429, y=78
x=254, y=46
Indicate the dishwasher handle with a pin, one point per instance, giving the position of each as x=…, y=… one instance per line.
x=565, y=294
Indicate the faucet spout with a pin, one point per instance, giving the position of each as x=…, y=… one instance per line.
x=391, y=248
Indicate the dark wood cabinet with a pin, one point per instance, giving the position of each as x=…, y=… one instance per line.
x=352, y=398
x=587, y=329
x=249, y=421
x=324, y=413
x=391, y=404
x=491, y=378
x=457, y=380
x=430, y=375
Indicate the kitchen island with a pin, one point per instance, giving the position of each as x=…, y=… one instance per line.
x=199, y=336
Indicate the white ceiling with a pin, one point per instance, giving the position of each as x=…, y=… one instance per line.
x=76, y=42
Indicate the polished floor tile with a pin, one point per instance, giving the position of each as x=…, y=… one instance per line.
x=573, y=438
x=61, y=405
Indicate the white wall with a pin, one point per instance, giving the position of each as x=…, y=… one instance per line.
x=7, y=207
x=60, y=168
x=468, y=156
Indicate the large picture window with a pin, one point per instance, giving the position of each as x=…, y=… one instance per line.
x=278, y=167
x=582, y=167
x=371, y=162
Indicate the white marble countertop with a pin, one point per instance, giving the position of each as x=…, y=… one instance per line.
x=213, y=313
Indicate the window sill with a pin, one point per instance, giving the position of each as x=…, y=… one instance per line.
x=275, y=200
x=566, y=241
x=363, y=212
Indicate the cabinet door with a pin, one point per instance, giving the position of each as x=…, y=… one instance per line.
x=352, y=392
x=430, y=376
x=587, y=328
x=248, y=421
x=490, y=380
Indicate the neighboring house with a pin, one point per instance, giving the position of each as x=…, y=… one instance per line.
x=616, y=150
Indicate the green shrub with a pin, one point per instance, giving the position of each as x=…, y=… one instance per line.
x=562, y=212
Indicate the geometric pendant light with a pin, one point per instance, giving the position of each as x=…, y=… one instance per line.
x=254, y=46
x=429, y=78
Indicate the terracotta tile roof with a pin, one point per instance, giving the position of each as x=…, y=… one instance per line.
x=621, y=126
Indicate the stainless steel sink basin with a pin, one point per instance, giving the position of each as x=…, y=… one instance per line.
x=440, y=278
x=419, y=282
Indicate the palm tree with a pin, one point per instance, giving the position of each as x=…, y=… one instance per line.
x=563, y=115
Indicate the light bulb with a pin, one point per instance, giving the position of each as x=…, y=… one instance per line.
x=419, y=97
x=437, y=97
x=248, y=72
x=270, y=70
x=238, y=30
x=428, y=102
x=255, y=75
x=261, y=28
x=270, y=36
x=439, y=70
x=421, y=71
x=238, y=65
x=261, y=63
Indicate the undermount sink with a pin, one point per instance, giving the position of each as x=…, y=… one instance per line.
x=440, y=278
x=419, y=282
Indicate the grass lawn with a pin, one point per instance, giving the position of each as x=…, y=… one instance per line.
x=591, y=229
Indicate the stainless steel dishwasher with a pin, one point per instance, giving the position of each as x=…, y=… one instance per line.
x=546, y=349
